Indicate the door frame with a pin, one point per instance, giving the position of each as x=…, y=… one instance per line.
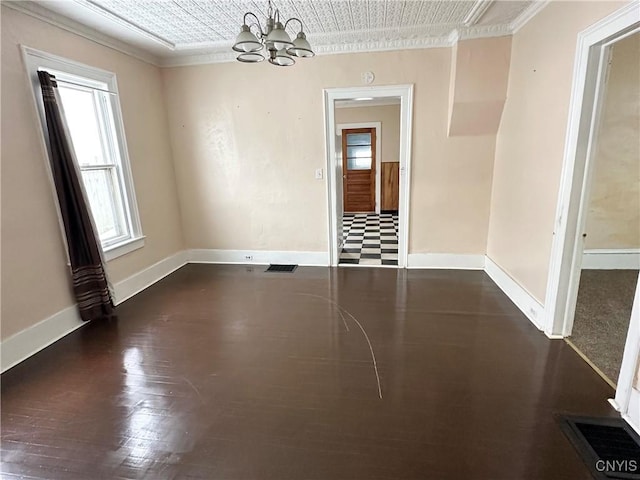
x=405, y=93
x=378, y=128
x=585, y=107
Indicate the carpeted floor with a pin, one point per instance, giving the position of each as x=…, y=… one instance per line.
x=602, y=317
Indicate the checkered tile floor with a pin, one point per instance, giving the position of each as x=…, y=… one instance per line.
x=370, y=239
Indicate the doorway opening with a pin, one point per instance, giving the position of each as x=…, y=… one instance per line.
x=370, y=180
x=586, y=112
x=368, y=133
x=611, y=255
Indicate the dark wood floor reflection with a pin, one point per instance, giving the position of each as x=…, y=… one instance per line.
x=227, y=372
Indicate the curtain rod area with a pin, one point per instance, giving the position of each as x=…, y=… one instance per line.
x=66, y=82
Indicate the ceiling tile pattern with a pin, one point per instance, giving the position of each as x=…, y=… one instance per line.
x=187, y=32
x=505, y=14
x=189, y=23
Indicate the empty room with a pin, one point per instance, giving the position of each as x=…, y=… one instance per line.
x=332, y=239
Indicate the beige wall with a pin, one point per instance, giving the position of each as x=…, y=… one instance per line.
x=35, y=281
x=479, y=75
x=388, y=116
x=613, y=219
x=530, y=141
x=245, y=156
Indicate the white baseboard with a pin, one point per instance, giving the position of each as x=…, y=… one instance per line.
x=30, y=341
x=618, y=259
x=527, y=304
x=258, y=257
x=629, y=419
x=614, y=404
x=127, y=288
x=449, y=261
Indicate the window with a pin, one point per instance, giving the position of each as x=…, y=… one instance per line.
x=92, y=112
x=359, y=154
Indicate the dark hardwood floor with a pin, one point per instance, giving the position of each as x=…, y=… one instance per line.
x=227, y=372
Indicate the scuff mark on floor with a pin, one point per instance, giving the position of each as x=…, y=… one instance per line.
x=340, y=310
x=194, y=388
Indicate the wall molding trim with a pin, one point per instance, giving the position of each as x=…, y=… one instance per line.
x=30, y=341
x=36, y=11
x=130, y=286
x=446, y=261
x=258, y=257
x=527, y=15
x=527, y=304
x=611, y=259
x=23, y=344
x=476, y=13
x=443, y=41
x=211, y=53
x=37, y=337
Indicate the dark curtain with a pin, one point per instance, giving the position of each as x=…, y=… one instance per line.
x=90, y=284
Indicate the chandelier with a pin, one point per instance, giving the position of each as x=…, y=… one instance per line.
x=273, y=38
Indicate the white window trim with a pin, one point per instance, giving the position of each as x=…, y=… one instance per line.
x=37, y=59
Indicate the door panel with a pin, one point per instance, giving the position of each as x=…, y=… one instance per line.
x=359, y=169
x=390, y=186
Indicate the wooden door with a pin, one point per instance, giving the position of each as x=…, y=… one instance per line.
x=359, y=169
x=390, y=186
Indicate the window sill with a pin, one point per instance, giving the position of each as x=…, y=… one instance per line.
x=128, y=246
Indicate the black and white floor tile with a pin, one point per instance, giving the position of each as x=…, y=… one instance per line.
x=370, y=239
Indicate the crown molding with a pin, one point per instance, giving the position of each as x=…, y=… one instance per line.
x=220, y=56
x=123, y=22
x=443, y=41
x=352, y=42
x=484, y=31
x=453, y=37
x=224, y=56
x=40, y=13
x=527, y=15
x=476, y=13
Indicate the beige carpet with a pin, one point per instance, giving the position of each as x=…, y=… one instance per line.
x=602, y=317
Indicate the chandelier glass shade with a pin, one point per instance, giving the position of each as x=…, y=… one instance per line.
x=272, y=40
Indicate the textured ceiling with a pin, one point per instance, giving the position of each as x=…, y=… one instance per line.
x=189, y=22
x=179, y=28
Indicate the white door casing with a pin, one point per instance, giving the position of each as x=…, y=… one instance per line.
x=405, y=93
x=585, y=106
x=627, y=399
x=339, y=190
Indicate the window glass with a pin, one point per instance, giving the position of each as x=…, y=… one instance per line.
x=91, y=109
x=359, y=139
x=103, y=194
x=89, y=125
x=359, y=163
x=81, y=113
x=359, y=152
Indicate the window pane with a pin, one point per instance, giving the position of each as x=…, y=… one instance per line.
x=359, y=139
x=359, y=163
x=106, y=206
x=359, y=152
x=82, y=118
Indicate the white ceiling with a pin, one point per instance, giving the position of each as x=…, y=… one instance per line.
x=173, y=32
